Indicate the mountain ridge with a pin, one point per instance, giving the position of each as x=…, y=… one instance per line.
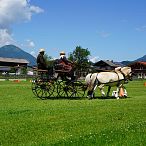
x=12, y=51
x=143, y=58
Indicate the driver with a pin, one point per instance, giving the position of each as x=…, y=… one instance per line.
x=41, y=63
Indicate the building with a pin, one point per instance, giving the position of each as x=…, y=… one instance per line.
x=6, y=64
x=105, y=65
x=139, y=69
x=13, y=62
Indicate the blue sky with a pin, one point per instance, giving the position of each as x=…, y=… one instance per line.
x=110, y=29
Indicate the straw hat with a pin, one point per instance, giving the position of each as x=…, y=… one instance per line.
x=42, y=50
x=62, y=53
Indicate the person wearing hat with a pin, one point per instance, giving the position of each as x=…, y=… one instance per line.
x=68, y=64
x=64, y=59
x=41, y=63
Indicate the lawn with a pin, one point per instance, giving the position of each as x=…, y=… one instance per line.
x=26, y=120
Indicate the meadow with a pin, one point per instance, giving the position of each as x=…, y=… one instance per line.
x=26, y=120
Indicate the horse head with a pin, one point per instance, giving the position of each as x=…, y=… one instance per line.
x=127, y=72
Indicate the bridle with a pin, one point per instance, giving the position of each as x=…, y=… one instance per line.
x=127, y=77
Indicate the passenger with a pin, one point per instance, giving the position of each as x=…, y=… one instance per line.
x=69, y=65
x=64, y=59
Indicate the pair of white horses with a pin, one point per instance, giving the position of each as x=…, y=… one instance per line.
x=118, y=77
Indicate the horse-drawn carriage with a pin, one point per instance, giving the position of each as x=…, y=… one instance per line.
x=43, y=86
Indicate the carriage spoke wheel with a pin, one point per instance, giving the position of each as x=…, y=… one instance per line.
x=62, y=89
x=42, y=89
x=53, y=89
x=78, y=89
x=33, y=86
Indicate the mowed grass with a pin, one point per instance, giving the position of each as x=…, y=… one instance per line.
x=26, y=120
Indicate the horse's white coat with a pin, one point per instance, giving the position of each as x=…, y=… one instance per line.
x=115, y=78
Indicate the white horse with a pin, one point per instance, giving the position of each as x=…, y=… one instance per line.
x=120, y=76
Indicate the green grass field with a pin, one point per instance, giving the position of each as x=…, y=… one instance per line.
x=26, y=120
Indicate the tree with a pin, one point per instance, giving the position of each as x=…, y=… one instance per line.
x=81, y=57
x=49, y=60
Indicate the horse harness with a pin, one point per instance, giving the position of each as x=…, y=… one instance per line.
x=119, y=81
x=124, y=76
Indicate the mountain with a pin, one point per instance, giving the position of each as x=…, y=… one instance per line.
x=141, y=59
x=126, y=62
x=11, y=51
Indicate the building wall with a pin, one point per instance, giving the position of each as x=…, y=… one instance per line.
x=139, y=69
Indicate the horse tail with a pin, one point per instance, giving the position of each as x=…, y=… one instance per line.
x=90, y=80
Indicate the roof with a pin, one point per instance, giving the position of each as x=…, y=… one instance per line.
x=119, y=64
x=108, y=62
x=143, y=63
x=139, y=63
x=2, y=59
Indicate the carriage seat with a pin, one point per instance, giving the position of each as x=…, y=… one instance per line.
x=40, y=70
x=60, y=66
x=43, y=74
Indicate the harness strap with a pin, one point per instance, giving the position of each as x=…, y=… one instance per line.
x=118, y=77
x=124, y=76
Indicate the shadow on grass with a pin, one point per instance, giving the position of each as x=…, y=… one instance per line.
x=79, y=98
x=60, y=98
x=109, y=97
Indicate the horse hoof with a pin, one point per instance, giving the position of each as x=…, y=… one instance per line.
x=89, y=97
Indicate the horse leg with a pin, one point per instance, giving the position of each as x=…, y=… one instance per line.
x=109, y=88
x=90, y=93
x=101, y=89
x=117, y=93
x=56, y=75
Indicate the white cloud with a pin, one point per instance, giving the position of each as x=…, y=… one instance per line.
x=104, y=34
x=14, y=11
x=142, y=28
x=30, y=44
x=35, y=9
x=94, y=59
x=6, y=37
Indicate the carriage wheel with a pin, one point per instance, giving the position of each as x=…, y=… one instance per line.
x=70, y=89
x=62, y=89
x=33, y=85
x=78, y=89
x=42, y=89
x=54, y=89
